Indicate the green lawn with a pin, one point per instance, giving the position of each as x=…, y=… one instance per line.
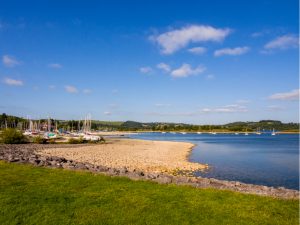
x=31, y=195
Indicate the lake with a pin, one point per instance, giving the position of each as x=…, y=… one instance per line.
x=257, y=159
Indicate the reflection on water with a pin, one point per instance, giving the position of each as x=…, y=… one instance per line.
x=257, y=159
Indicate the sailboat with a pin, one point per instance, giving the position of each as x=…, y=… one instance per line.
x=273, y=132
x=258, y=131
x=211, y=132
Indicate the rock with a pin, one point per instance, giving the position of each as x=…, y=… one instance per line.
x=80, y=166
x=237, y=183
x=152, y=176
x=123, y=170
x=180, y=180
x=165, y=179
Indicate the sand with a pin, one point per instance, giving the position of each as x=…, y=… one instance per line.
x=150, y=156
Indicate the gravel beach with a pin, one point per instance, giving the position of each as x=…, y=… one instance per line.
x=154, y=156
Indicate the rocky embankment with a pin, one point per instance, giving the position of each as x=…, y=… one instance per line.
x=29, y=153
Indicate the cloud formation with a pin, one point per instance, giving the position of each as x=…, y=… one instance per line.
x=55, y=65
x=87, y=91
x=163, y=66
x=210, y=77
x=287, y=96
x=197, y=50
x=107, y=113
x=283, y=42
x=146, y=69
x=226, y=109
x=160, y=105
x=71, y=89
x=232, y=51
x=10, y=61
x=176, y=39
x=275, y=108
x=13, y=82
x=186, y=70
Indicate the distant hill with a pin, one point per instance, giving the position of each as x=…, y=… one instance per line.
x=263, y=125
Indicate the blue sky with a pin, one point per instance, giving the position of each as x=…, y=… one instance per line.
x=176, y=61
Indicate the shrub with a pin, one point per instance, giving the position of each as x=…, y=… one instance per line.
x=76, y=141
x=13, y=136
x=39, y=140
x=102, y=139
x=51, y=141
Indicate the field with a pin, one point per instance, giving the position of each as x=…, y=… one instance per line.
x=32, y=195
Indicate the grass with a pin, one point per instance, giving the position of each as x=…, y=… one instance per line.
x=32, y=195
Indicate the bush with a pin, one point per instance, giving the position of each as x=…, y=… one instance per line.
x=39, y=140
x=51, y=141
x=76, y=141
x=13, y=136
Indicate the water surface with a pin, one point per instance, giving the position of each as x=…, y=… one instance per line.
x=257, y=159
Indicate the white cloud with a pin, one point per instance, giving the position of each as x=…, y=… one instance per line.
x=288, y=96
x=257, y=34
x=275, y=108
x=226, y=109
x=232, y=51
x=71, y=89
x=261, y=33
x=197, y=50
x=163, y=66
x=55, y=65
x=186, y=70
x=10, y=61
x=107, y=113
x=210, y=77
x=160, y=105
x=283, y=42
x=174, y=40
x=13, y=82
x=87, y=91
x=146, y=69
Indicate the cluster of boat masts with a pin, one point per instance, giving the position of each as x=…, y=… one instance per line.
x=258, y=132
x=48, y=131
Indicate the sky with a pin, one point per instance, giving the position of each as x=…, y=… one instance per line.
x=199, y=62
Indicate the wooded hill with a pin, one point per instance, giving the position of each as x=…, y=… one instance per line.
x=263, y=125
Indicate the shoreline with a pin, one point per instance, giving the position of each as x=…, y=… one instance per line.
x=146, y=155
x=124, y=133
x=30, y=154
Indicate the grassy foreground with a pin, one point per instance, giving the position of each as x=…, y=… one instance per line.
x=31, y=195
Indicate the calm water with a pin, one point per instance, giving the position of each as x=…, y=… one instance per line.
x=257, y=159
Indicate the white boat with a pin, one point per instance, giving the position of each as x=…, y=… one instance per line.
x=163, y=132
x=236, y=133
x=199, y=132
x=183, y=132
x=27, y=132
x=88, y=137
x=258, y=132
x=273, y=132
x=50, y=135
